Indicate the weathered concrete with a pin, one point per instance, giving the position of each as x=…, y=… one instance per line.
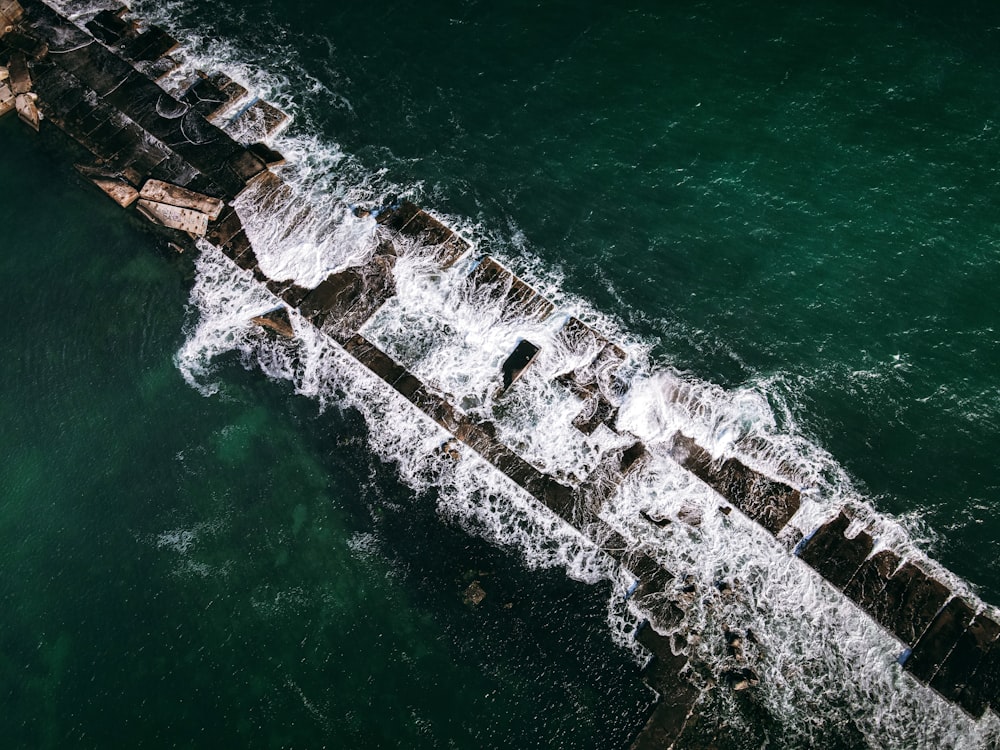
x=276, y=320
x=6, y=99
x=492, y=281
x=173, y=195
x=664, y=673
x=184, y=219
x=407, y=220
x=768, y=502
x=832, y=554
x=255, y=122
x=214, y=95
x=954, y=679
x=908, y=602
x=118, y=190
x=869, y=579
x=111, y=27
x=27, y=110
x=940, y=637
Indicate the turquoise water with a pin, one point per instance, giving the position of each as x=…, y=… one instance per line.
x=796, y=201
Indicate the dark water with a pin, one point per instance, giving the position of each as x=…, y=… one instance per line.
x=797, y=197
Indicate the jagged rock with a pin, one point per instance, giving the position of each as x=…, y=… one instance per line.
x=474, y=594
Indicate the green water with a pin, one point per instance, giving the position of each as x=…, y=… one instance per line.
x=797, y=197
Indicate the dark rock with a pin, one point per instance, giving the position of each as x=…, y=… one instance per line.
x=522, y=356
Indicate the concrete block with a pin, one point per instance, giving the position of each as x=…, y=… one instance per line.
x=908, y=602
x=954, y=678
x=870, y=578
x=227, y=225
x=213, y=95
x=374, y=358
x=396, y=217
x=151, y=44
x=256, y=122
x=597, y=410
x=6, y=99
x=766, y=501
x=938, y=640
x=184, y=219
x=266, y=154
x=110, y=27
x=831, y=554
x=117, y=189
x=497, y=284
x=27, y=111
x=32, y=47
x=19, y=77
x=162, y=192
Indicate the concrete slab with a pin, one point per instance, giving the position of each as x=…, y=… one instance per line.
x=954, y=678
x=110, y=26
x=27, y=111
x=908, y=602
x=236, y=246
x=870, y=578
x=163, y=192
x=410, y=221
x=245, y=166
x=118, y=190
x=596, y=411
x=32, y=47
x=180, y=172
x=938, y=640
x=394, y=218
x=184, y=219
x=95, y=67
x=159, y=68
x=256, y=122
x=374, y=358
x=151, y=44
x=766, y=501
x=831, y=554
x=227, y=225
x=214, y=95
x=497, y=284
x=665, y=674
